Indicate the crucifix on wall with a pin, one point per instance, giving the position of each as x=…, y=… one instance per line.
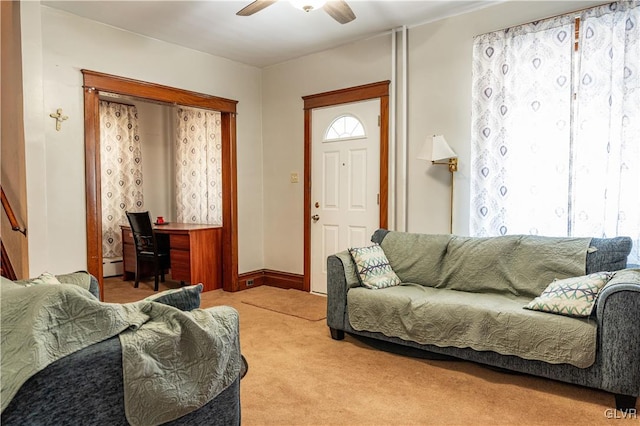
x=59, y=118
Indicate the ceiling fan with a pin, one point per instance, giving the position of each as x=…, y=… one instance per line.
x=337, y=9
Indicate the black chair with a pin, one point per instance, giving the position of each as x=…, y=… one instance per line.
x=147, y=246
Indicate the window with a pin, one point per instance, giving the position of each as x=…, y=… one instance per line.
x=555, y=128
x=344, y=127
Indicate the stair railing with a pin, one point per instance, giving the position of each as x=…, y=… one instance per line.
x=9, y=211
x=6, y=268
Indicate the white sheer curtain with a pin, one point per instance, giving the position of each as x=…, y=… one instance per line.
x=198, y=166
x=521, y=129
x=606, y=188
x=121, y=169
x=542, y=162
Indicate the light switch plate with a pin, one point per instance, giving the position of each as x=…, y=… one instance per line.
x=294, y=178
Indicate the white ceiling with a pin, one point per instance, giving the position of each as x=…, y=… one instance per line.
x=276, y=34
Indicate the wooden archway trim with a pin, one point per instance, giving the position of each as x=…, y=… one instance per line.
x=95, y=82
x=156, y=92
x=378, y=90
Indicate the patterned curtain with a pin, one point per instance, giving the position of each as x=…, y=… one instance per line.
x=198, y=166
x=521, y=129
x=606, y=187
x=544, y=162
x=121, y=168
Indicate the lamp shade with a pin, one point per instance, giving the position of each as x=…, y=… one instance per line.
x=441, y=149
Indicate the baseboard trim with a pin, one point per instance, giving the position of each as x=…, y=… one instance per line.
x=283, y=279
x=271, y=278
x=256, y=276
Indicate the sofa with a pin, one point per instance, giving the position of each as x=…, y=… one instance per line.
x=88, y=386
x=494, y=301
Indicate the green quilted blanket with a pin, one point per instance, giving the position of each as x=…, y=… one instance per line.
x=516, y=265
x=481, y=321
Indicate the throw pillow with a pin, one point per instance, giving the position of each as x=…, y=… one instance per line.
x=184, y=298
x=574, y=297
x=374, y=270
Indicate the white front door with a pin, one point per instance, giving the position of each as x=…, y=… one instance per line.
x=345, y=182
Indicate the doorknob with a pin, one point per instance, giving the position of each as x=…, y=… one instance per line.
x=315, y=218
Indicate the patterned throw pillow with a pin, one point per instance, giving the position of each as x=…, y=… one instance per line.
x=374, y=270
x=573, y=297
x=184, y=298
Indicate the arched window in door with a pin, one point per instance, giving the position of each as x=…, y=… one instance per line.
x=343, y=127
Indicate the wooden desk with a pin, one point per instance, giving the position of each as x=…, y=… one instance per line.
x=195, y=253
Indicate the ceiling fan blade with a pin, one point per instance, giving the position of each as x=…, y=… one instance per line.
x=339, y=10
x=255, y=7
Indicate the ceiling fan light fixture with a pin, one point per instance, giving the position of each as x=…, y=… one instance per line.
x=307, y=5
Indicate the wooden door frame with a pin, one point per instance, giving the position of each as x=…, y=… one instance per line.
x=95, y=82
x=379, y=90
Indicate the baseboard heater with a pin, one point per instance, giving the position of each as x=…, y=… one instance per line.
x=111, y=267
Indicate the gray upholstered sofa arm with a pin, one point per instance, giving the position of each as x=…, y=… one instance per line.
x=618, y=316
x=626, y=280
x=336, y=293
x=341, y=276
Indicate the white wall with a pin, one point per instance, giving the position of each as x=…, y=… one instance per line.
x=61, y=45
x=439, y=102
x=283, y=135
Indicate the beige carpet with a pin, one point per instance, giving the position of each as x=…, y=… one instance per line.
x=298, y=375
x=289, y=302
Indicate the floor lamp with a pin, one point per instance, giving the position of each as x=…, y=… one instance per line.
x=440, y=151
